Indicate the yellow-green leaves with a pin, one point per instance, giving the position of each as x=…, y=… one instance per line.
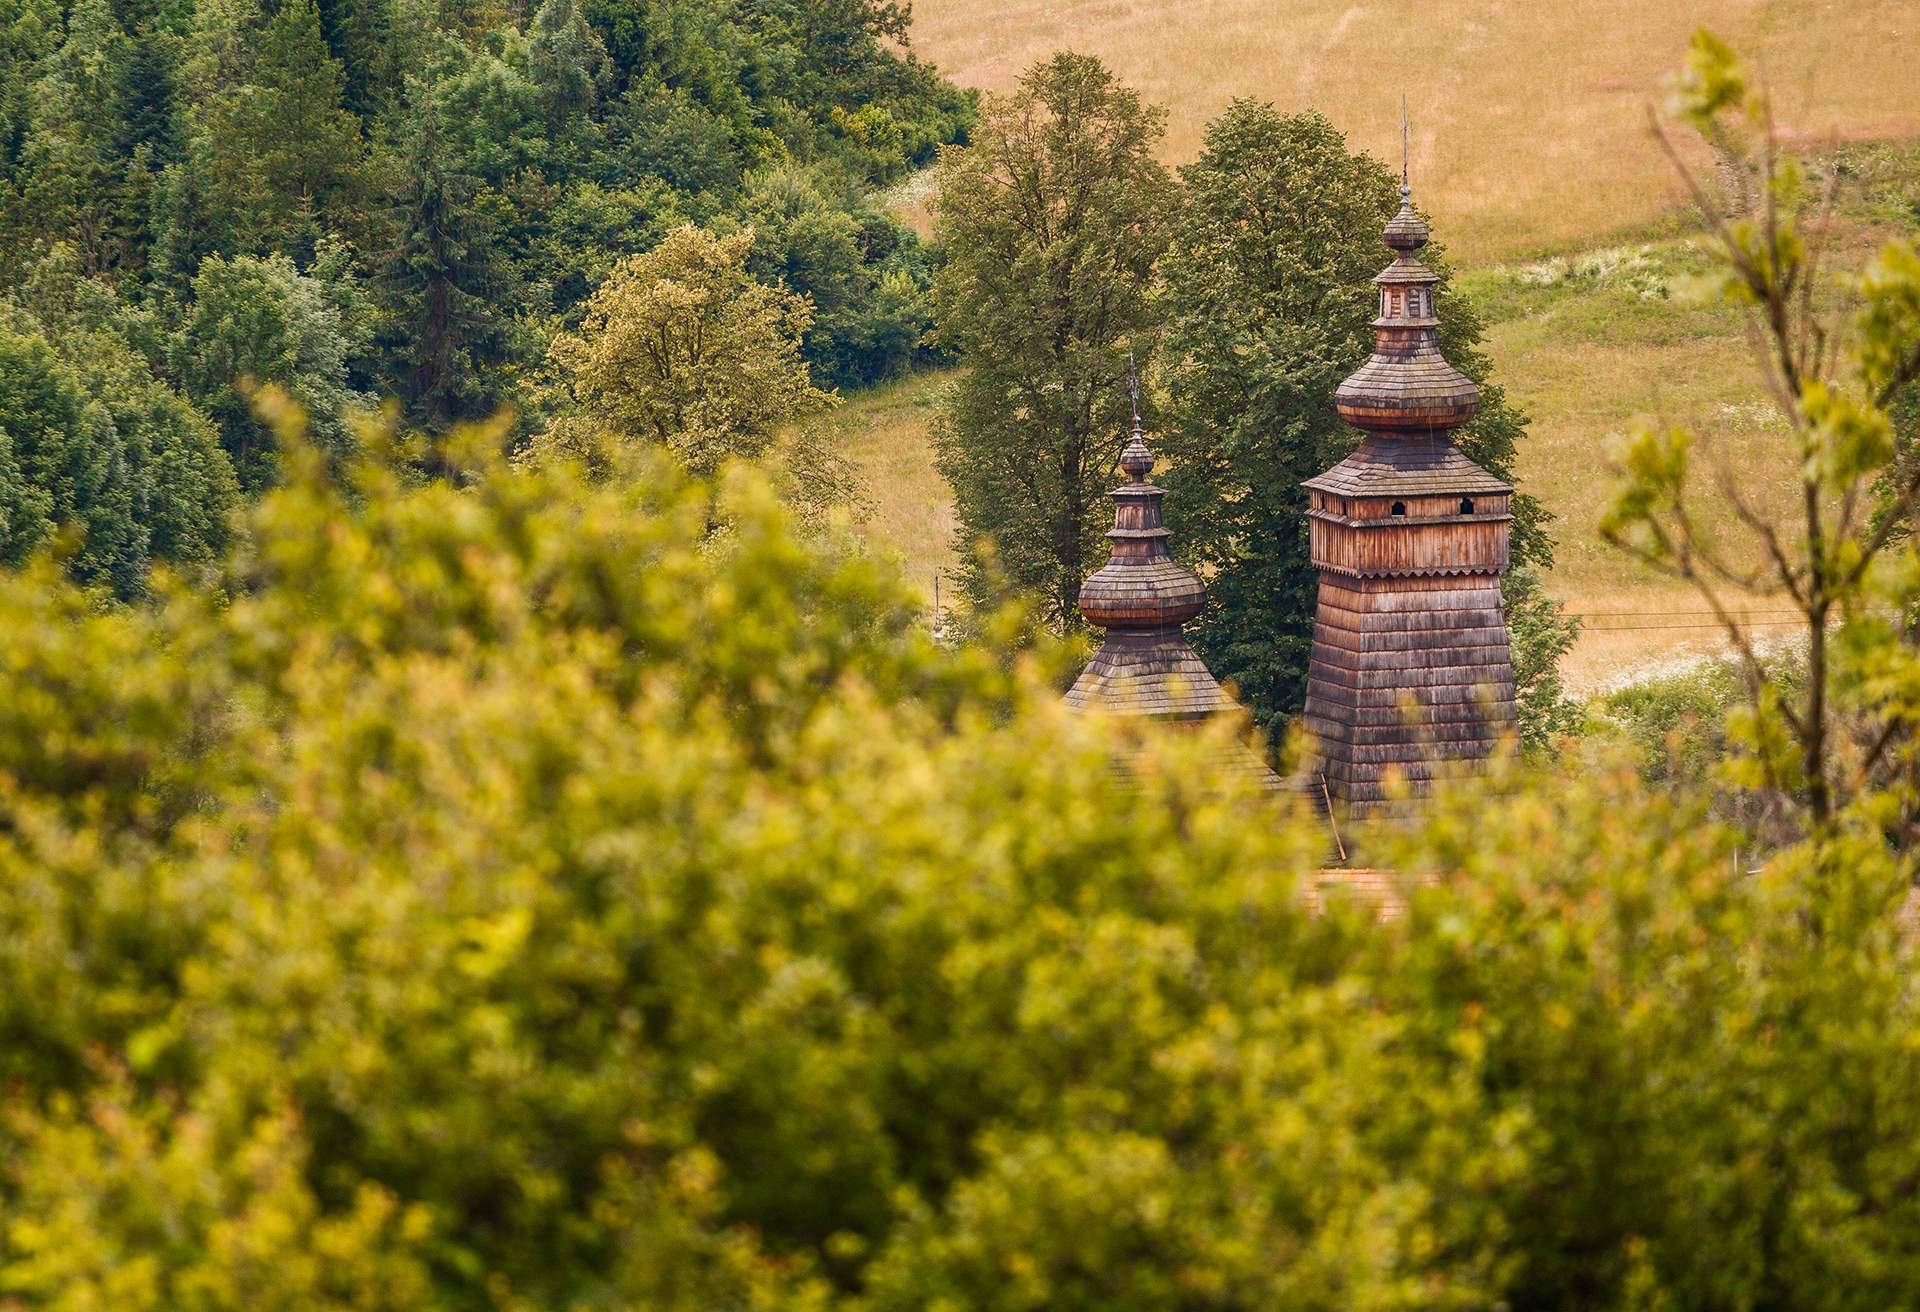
x=1889, y=323
x=511, y=896
x=1847, y=440
x=1713, y=81
x=1655, y=463
x=682, y=348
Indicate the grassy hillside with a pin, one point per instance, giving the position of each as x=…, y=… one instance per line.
x=885, y=432
x=1530, y=130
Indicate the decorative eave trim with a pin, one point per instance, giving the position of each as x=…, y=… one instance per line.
x=1413, y=572
x=1402, y=521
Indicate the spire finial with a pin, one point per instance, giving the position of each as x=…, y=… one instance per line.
x=1406, y=231
x=1136, y=460
x=1406, y=183
x=1133, y=390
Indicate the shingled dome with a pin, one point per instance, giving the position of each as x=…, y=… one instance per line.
x=1407, y=385
x=1141, y=597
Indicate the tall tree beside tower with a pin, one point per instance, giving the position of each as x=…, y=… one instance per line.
x=1052, y=222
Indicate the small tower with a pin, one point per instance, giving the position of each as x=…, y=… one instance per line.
x=1410, y=670
x=1141, y=597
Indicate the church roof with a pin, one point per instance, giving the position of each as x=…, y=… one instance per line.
x=1406, y=385
x=1154, y=673
x=1141, y=597
x=1407, y=467
x=1414, y=379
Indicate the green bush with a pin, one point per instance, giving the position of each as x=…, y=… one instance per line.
x=511, y=895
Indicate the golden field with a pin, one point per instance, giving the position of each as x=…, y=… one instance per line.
x=1532, y=151
x=1529, y=116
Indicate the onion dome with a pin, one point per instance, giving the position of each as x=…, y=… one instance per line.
x=1406, y=387
x=1141, y=597
x=1141, y=585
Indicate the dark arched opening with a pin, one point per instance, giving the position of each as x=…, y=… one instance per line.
x=1399, y=508
x=1466, y=505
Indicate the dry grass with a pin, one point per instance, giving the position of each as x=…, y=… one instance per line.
x=1593, y=345
x=884, y=432
x=1529, y=116
x=1659, y=628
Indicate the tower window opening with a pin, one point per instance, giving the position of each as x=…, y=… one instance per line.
x=1399, y=508
x=1466, y=505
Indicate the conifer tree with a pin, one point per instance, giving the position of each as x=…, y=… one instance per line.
x=278, y=150
x=360, y=34
x=75, y=175
x=446, y=335
x=1052, y=223
x=567, y=60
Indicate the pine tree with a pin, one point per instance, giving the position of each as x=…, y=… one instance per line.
x=1052, y=223
x=447, y=335
x=75, y=174
x=567, y=60
x=360, y=33
x=277, y=151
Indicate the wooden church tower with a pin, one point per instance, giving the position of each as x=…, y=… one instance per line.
x=1142, y=597
x=1410, y=671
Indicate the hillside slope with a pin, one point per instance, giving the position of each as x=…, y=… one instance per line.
x=1530, y=131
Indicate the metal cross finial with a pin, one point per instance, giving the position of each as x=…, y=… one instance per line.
x=1406, y=186
x=1133, y=390
x=1135, y=459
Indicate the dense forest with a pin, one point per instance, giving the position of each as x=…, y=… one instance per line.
x=370, y=201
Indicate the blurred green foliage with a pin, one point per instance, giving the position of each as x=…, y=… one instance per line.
x=1836, y=747
x=502, y=892
x=540, y=888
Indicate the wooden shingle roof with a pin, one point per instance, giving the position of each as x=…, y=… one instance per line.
x=1408, y=467
x=1156, y=673
x=1141, y=597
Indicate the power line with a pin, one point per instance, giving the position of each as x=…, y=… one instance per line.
x=1648, y=628
x=1680, y=614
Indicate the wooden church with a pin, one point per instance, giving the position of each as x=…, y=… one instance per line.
x=1142, y=597
x=1409, y=674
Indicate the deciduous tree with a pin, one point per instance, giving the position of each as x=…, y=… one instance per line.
x=258, y=320
x=1052, y=221
x=682, y=348
x=1828, y=748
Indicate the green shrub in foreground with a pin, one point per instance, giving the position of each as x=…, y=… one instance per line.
x=515, y=896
